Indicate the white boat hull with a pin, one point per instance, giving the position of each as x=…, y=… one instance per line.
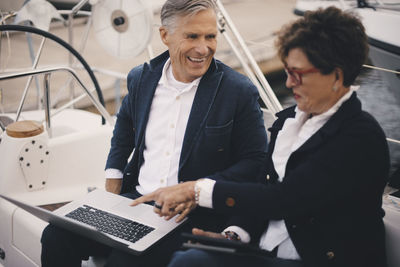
x=78, y=151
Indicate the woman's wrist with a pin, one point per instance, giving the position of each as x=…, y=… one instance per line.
x=197, y=191
x=232, y=236
x=203, y=190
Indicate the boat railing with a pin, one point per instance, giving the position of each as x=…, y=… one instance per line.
x=247, y=61
x=46, y=72
x=376, y=4
x=397, y=72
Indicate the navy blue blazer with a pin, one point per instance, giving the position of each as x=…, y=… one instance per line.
x=225, y=136
x=330, y=197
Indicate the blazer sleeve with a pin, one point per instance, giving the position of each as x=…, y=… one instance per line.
x=122, y=142
x=351, y=167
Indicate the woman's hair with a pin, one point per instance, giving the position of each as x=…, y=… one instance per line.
x=173, y=9
x=330, y=38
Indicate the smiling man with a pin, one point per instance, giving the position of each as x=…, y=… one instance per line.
x=186, y=116
x=192, y=45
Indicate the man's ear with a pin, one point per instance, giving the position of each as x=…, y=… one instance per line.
x=164, y=35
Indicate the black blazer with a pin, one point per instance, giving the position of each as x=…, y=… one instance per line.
x=330, y=197
x=225, y=137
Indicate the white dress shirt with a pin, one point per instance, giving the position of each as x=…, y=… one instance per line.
x=165, y=130
x=294, y=133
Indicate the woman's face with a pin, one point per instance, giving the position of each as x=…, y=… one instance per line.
x=313, y=92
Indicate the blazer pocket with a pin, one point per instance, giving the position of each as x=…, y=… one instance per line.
x=219, y=130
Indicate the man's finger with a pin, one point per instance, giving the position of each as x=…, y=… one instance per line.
x=143, y=199
x=157, y=206
x=180, y=208
x=168, y=209
x=183, y=215
x=171, y=214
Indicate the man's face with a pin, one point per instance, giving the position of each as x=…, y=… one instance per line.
x=191, y=44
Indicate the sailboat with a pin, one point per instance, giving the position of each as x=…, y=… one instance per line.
x=52, y=153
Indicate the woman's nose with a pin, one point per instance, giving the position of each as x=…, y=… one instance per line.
x=290, y=81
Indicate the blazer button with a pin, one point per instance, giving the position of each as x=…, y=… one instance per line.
x=330, y=255
x=312, y=220
x=230, y=202
x=268, y=177
x=294, y=226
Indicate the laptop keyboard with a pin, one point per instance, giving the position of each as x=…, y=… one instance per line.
x=109, y=223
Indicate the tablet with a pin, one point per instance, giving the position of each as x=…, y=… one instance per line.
x=222, y=245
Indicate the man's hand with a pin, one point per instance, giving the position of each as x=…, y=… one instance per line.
x=113, y=185
x=171, y=200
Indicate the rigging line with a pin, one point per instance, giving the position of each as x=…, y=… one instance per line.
x=9, y=50
x=393, y=140
x=3, y=21
x=382, y=69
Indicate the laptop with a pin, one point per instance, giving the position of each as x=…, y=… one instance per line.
x=108, y=219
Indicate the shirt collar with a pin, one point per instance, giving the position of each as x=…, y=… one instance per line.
x=301, y=115
x=168, y=80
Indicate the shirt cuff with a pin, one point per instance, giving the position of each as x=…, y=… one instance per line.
x=205, y=187
x=244, y=236
x=113, y=174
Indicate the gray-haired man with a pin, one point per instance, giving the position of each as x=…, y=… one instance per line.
x=187, y=116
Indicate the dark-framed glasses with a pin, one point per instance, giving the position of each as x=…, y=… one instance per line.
x=297, y=75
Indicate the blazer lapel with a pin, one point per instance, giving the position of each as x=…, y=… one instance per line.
x=348, y=109
x=145, y=93
x=202, y=103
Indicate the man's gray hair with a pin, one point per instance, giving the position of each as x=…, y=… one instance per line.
x=173, y=9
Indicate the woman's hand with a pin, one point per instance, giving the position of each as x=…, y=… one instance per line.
x=171, y=200
x=197, y=231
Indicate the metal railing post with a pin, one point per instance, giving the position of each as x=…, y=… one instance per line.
x=46, y=100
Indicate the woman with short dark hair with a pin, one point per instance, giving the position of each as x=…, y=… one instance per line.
x=330, y=39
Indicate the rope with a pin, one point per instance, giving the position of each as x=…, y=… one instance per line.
x=393, y=140
x=382, y=69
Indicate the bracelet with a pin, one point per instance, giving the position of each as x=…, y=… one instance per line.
x=232, y=236
x=196, y=193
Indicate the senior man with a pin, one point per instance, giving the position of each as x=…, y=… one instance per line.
x=186, y=116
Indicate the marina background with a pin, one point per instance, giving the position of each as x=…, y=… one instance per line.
x=256, y=20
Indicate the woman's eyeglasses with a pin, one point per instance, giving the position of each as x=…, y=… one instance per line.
x=297, y=75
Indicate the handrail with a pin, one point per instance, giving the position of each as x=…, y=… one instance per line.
x=28, y=82
x=46, y=100
x=65, y=45
x=48, y=70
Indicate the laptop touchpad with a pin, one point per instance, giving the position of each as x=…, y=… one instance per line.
x=124, y=209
